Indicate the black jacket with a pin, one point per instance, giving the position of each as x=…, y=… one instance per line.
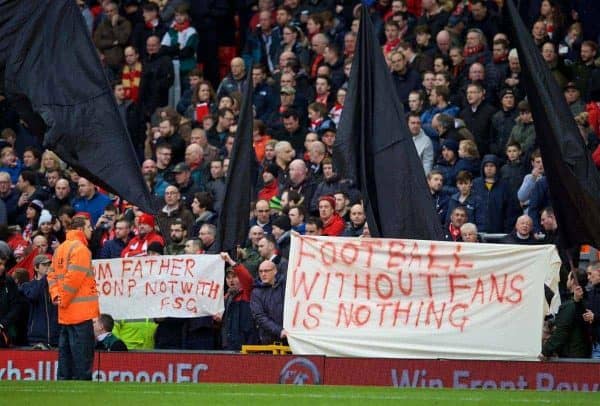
x=157, y=78
x=11, y=305
x=479, y=123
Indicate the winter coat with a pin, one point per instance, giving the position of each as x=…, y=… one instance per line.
x=112, y=249
x=512, y=174
x=157, y=78
x=524, y=134
x=494, y=202
x=266, y=304
x=472, y=205
x=479, y=123
x=502, y=125
x=568, y=340
x=593, y=303
x=111, y=39
x=42, y=326
x=11, y=305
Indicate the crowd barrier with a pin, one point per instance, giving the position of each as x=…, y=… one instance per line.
x=292, y=369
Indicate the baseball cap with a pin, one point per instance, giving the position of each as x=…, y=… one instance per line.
x=41, y=259
x=181, y=167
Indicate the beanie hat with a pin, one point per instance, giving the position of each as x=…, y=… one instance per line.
x=282, y=222
x=450, y=144
x=45, y=217
x=147, y=219
x=275, y=203
x=36, y=204
x=328, y=198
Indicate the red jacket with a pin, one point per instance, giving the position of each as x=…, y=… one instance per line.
x=334, y=226
x=138, y=245
x=269, y=191
x=246, y=283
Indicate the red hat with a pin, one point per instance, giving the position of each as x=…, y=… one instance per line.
x=329, y=198
x=83, y=214
x=147, y=219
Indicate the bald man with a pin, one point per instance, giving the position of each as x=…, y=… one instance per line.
x=266, y=303
x=523, y=232
x=234, y=81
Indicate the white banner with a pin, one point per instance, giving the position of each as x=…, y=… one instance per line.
x=160, y=286
x=393, y=298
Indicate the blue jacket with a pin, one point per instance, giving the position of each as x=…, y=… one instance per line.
x=42, y=326
x=472, y=205
x=427, y=118
x=95, y=206
x=112, y=249
x=472, y=165
x=538, y=201
x=494, y=202
x=266, y=304
x=13, y=172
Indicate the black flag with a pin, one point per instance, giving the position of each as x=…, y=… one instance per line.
x=233, y=218
x=375, y=148
x=572, y=177
x=52, y=64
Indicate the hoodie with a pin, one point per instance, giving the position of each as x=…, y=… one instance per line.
x=494, y=200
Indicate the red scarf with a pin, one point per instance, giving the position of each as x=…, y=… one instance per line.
x=315, y=124
x=315, y=65
x=152, y=24
x=322, y=99
x=500, y=59
x=181, y=27
x=454, y=232
x=472, y=50
x=390, y=45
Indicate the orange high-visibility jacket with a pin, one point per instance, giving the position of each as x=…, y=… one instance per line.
x=72, y=280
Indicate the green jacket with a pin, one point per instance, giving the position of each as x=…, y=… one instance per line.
x=569, y=339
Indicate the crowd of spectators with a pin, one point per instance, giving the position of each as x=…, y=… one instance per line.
x=179, y=69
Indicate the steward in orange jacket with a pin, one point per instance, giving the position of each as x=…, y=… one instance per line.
x=73, y=288
x=72, y=283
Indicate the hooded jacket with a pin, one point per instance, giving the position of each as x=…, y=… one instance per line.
x=494, y=201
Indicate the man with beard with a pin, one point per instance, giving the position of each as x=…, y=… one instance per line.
x=178, y=234
x=138, y=245
x=113, y=248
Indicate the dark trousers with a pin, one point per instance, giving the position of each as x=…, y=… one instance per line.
x=76, y=351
